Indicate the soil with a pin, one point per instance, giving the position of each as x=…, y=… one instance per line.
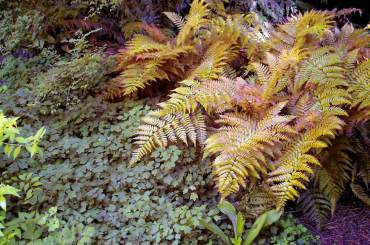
x=350, y=225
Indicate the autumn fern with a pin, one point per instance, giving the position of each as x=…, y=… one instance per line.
x=282, y=126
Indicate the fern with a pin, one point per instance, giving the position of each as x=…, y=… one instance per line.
x=360, y=193
x=335, y=171
x=205, y=45
x=279, y=128
x=360, y=89
x=176, y=19
x=196, y=18
x=294, y=166
x=242, y=145
x=315, y=206
x=159, y=132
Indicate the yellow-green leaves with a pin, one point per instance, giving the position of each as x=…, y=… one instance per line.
x=6, y=190
x=12, y=143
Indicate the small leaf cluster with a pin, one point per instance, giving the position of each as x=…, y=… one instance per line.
x=292, y=233
x=43, y=229
x=11, y=141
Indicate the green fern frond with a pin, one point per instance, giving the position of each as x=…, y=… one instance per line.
x=322, y=67
x=314, y=206
x=360, y=193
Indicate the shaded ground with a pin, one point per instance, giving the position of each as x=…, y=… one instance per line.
x=349, y=226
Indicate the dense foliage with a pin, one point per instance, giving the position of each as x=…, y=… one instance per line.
x=307, y=87
x=148, y=113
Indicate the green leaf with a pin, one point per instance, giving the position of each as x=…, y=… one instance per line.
x=22, y=140
x=3, y=202
x=228, y=209
x=8, y=150
x=215, y=230
x=8, y=190
x=16, y=152
x=263, y=220
x=240, y=221
x=193, y=196
x=40, y=133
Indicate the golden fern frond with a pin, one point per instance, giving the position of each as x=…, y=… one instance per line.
x=302, y=31
x=243, y=144
x=214, y=61
x=160, y=131
x=322, y=67
x=335, y=170
x=198, y=13
x=312, y=23
x=360, y=86
x=360, y=193
x=273, y=78
x=315, y=206
x=186, y=97
x=212, y=95
x=325, y=69
x=143, y=44
x=176, y=19
x=151, y=64
x=136, y=76
x=295, y=166
x=350, y=38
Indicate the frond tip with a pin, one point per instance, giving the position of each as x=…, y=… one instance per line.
x=160, y=131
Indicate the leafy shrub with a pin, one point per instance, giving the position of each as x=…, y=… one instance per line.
x=19, y=71
x=19, y=30
x=69, y=81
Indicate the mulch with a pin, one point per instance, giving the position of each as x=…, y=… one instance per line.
x=350, y=225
